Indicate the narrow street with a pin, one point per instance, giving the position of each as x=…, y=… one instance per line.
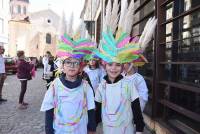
x=31, y=120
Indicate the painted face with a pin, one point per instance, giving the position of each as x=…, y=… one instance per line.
x=71, y=67
x=113, y=69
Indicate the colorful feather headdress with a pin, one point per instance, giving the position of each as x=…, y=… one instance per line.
x=119, y=48
x=75, y=46
x=91, y=56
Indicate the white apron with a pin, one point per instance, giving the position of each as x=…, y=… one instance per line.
x=116, y=106
x=70, y=107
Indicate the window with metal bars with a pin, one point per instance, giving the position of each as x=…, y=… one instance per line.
x=178, y=64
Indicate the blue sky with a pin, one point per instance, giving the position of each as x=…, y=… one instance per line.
x=59, y=6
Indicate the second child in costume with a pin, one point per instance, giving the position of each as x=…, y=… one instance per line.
x=94, y=72
x=130, y=68
x=139, y=82
x=69, y=101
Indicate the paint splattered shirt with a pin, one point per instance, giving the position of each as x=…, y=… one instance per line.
x=70, y=107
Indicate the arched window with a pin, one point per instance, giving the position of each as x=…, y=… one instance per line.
x=24, y=10
x=19, y=9
x=48, y=38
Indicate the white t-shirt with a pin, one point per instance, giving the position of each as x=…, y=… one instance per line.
x=45, y=62
x=95, y=76
x=116, y=106
x=70, y=107
x=2, y=64
x=141, y=86
x=103, y=72
x=48, y=74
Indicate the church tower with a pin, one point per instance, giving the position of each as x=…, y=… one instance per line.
x=19, y=9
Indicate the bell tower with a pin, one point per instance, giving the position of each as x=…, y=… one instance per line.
x=19, y=9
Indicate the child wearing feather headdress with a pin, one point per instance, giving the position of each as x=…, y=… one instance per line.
x=130, y=72
x=94, y=71
x=116, y=97
x=139, y=82
x=69, y=102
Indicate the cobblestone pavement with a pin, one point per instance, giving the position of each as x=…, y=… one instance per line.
x=31, y=120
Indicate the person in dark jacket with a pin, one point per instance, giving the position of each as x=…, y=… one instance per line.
x=23, y=74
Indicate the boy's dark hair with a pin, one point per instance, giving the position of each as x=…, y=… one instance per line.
x=48, y=52
x=51, y=60
x=97, y=64
x=20, y=53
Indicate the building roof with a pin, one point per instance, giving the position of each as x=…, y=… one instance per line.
x=22, y=0
x=46, y=12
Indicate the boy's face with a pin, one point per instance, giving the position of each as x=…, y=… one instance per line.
x=92, y=62
x=71, y=67
x=113, y=69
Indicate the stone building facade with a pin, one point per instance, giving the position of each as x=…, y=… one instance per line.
x=35, y=33
x=4, y=17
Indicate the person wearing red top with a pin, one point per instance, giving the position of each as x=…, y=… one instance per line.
x=23, y=74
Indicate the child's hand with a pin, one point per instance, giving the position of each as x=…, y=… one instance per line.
x=91, y=132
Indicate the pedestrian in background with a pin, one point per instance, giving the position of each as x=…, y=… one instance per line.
x=50, y=72
x=93, y=71
x=2, y=72
x=23, y=74
x=45, y=61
